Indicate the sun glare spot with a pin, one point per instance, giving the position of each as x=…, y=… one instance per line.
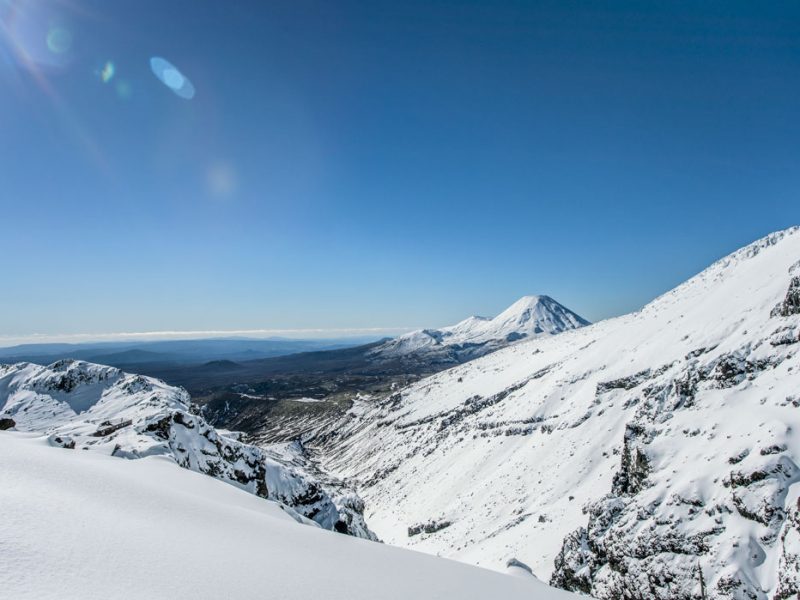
x=221, y=179
x=34, y=36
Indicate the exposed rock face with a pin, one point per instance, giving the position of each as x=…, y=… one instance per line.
x=673, y=542
x=791, y=304
x=85, y=406
x=6, y=423
x=789, y=566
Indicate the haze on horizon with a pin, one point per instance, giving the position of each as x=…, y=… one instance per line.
x=373, y=333
x=380, y=166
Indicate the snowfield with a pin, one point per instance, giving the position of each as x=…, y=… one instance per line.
x=653, y=455
x=85, y=525
x=81, y=405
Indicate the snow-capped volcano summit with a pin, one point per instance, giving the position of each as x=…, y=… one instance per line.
x=528, y=317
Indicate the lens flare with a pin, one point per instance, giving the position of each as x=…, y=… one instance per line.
x=221, y=179
x=35, y=42
x=124, y=89
x=107, y=72
x=59, y=40
x=171, y=77
x=35, y=35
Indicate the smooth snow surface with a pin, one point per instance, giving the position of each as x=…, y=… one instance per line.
x=83, y=525
x=672, y=433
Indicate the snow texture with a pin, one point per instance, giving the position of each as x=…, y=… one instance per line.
x=81, y=405
x=654, y=455
x=85, y=525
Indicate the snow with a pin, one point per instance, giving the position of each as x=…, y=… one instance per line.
x=511, y=449
x=103, y=409
x=656, y=451
x=84, y=525
x=530, y=316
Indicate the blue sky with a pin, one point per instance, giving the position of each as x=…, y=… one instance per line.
x=352, y=165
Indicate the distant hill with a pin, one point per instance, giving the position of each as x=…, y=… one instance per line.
x=163, y=353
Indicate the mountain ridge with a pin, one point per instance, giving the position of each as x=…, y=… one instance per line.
x=648, y=451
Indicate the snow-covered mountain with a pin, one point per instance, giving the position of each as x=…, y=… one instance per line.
x=80, y=405
x=84, y=525
x=653, y=455
x=528, y=317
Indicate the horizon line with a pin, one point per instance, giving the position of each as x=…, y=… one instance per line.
x=296, y=333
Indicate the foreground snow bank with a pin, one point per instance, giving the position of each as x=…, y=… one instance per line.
x=85, y=525
x=82, y=405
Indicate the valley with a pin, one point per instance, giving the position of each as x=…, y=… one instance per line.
x=567, y=442
x=655, y=451
x=485, y=300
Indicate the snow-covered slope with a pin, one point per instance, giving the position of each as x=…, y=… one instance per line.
x=653, y=455
x=86, y=406
x=84, y=525
x=528, y=317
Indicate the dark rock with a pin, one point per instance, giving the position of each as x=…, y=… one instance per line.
x=64, y=442
x=791, y=304
x=574, y=564
x=623, y=383
x=107, y=428
x=340, y=527
x=429, y=527
x=774, y=449
x=6, y=423
x=635, y=466
x=733, y=460
x=789, y=566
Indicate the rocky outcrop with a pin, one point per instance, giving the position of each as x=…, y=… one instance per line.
x=665, y=531
x=429, y=527
x=789, y=566
x=791, y=304
x=84, y=406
